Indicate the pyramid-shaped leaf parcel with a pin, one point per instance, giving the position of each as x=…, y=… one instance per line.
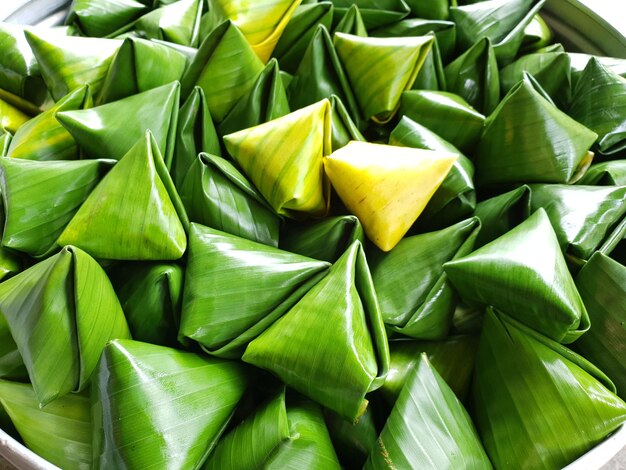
x=523, y=273
x=134, y=213
x=99, y=18
x=61, y=313
x=110, y=130
x=159, y=407
x=331, y=346
x=386, y=187
x=235, y=288
x=536, y=403
x=380, y=69
x=284, y=159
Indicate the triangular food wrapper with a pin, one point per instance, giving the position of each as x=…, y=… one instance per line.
x=536, y=404
x=284, y=159
x=524, y=273
x=60, y=432
x=352, y=22
x=375, y=13
x=61, y=312
x=32, y=224
x=386, y=187
x=68, y=62
x=143, y=390
x=99, y=18
x=139, y=66
x=145, y=224
x=415, y=297
x=11, y=118
x=110, y=130
x=43, y=137
x=337, y=318
x=178, y=22
x=261, y=23
x=528, y=139
x=380, y=69
x=602, y=286
x=612, y=173
x=225, y=67
x=428, y=428
x=236, y=288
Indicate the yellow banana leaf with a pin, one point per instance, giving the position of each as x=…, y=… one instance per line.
x=5, y=142
x=145, y=224
x=386, y=187
x=228, y=315
x=338, y=317
x=99, y=133
x=284, y=159
x=43, y=137
x=61, y=313
x=261, y=23
x=225, y=67
x=380, y=69
x=11, y=118
x=142, y=391
x=68, y=62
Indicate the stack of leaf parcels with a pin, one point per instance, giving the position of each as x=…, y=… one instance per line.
x=287, y=234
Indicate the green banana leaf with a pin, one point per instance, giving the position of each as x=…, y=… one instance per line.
x=434, y=10
x=68, y=62
x=601, y=283
x=61, y=312
x=338, y=317
x=552, y=70
x=224, y=79
x=435, y=110
x=428, y=427
x=444, y=31
x=353, y=441
x=100, y=18
x=284, y=159
x=343, y=128
x=502, y=21
x=11, y=118
x=599, y=102
x=387, y=194
x=43, y=137
x=60, y=432
x=453, y=358
x=227, y=316
x=501, y=213
x=98, y=131
x=262, y=23
x=380, y=69
x=299, y=32
x=178, y=22
x=467, y=319
x=32, y=224
x=524, y=273
x=143, y=390
x=326, y=239
x=5, y=142
x=579, y=61
x=474, y=76
x=320, y=75
x=413, y=293
x=536, y=404
x=528, y=140
x=375, y=13
x=19, y=70
x=151, y=296
x=584, y=218
x=11, y=363
x=264, y=102
x=217, y=195
x=283, y=433
x=537, y=35
x=140, y=66
x=196, y=133
x=432, y=75
x=612, y=173
x=455, y=199
x=351, y=22
x=146, y=224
